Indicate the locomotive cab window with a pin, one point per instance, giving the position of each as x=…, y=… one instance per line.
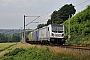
x=57, y=28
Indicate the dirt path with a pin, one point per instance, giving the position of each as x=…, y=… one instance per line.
x=6, y=50
x=17, y=45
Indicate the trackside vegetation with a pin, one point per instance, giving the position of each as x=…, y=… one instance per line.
x=36, y=54
x=79, y=28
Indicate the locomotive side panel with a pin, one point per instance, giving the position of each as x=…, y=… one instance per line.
x=37, y=34
x=43, y=33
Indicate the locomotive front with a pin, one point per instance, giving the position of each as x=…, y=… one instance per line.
x=57, y=34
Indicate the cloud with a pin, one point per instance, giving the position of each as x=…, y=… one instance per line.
x=5, y=16
x=18, y=3
x=7, y=2
x=4, y=4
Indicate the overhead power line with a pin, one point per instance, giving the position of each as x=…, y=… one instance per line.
x=32, y=21
x=74, y=6
x=82, y=3
x=48, y=13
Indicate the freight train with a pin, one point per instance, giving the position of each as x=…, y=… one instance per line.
x=51, y=34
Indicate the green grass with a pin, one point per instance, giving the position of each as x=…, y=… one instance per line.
x=4, y=46
x=79, y=40
x=36, y=54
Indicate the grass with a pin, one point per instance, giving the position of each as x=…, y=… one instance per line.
x=37, y=52
x=79, y=40
x=4, y=46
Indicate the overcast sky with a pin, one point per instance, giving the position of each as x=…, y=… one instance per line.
x=12, y=11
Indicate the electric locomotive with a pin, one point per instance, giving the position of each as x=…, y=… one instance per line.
x=51, y=34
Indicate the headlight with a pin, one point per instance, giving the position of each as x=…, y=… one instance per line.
x=52, y=34
x=62, y=34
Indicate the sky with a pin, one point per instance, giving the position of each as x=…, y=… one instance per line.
x=12, y=11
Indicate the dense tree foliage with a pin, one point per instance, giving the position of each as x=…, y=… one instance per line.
x=15, y=38
x=41, y=25
x=49, y=22
x=9, y=38
x=2, y=37
x=62, y=14
x=79, y=26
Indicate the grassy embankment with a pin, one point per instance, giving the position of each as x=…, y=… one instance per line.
x=37, y=52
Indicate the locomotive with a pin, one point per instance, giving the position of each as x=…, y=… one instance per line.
x=51, y=34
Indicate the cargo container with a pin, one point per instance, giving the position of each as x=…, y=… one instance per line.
x=34, y=35
x=37, y=33
x=30, y=36
x=44, y=34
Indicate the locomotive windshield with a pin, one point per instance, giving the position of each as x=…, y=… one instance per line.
x=57, y=28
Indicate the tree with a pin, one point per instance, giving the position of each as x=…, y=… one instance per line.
x=66, y=10
x=49, y=22
x=41, y=25
x=58, y=17
x=15, y=38
x=9, y=38
x=62, y=14
x=2, y=37
x=54, y=16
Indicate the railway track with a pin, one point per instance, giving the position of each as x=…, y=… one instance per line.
x=76, y=47
x=72, y=47
x=68, y=46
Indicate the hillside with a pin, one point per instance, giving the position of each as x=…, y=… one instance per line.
x=79, y=28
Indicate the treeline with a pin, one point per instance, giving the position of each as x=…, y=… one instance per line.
x=9, y=38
